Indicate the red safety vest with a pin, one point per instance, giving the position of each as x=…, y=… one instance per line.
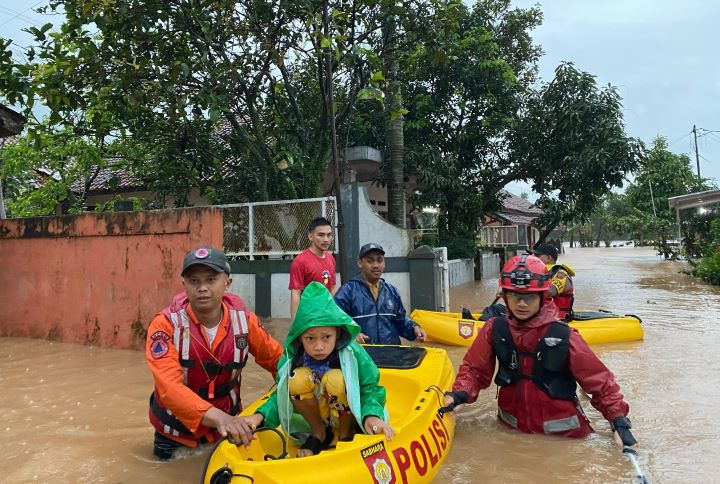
x=232, y=353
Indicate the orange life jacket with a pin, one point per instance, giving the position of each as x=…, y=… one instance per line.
x=231, y=352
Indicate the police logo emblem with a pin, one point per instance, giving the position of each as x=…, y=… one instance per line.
x=465, y=330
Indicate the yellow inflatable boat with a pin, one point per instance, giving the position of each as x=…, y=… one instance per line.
x=415, y=379
x=594, y=327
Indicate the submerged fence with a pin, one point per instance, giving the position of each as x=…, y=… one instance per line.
x=273, y=228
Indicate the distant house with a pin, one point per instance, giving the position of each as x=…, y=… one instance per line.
x=512, y=227
x=11, y=123
x=116, y=182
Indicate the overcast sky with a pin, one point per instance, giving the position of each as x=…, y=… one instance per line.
x=663, y=55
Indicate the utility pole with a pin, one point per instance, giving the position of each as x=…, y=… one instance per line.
x=697, y=155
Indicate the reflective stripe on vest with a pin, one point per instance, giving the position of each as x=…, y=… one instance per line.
x=181, y=337
x=561, y=425
x=240, y=326
x=511, y=420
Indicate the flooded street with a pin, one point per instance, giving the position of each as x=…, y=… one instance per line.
x=79, y=414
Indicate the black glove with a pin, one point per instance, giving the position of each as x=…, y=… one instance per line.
x=458, y=399
x=622, y=426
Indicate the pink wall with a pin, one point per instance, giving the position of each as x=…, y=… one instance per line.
x=96, y=279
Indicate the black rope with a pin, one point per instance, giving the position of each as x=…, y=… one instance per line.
x=283, y=440
x=439, y=393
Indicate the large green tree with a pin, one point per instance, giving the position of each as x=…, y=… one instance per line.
x=573, y=139
x=464, y=91
x=171, y=74
x=663, y=175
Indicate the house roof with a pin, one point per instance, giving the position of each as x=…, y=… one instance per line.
x=112, y=178
x=11, y=123
x=697, y=199
x=515, y=218
x=513, y=203
x=516, y=210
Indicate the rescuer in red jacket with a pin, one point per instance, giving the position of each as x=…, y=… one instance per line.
x=541, y=360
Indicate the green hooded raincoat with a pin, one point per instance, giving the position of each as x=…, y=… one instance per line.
x=365, y=396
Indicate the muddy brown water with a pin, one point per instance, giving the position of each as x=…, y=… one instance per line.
x=79, y=414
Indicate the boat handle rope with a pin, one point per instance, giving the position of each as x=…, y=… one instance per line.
x=283, y=440
x=439, y=393
x=224, y=475
x=631, y=454
x=267, y=457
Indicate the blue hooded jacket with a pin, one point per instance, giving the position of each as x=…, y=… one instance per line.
x=383, y=321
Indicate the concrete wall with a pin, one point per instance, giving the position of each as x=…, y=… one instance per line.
x=363, y=225
x=461, y=271
x=96, y=278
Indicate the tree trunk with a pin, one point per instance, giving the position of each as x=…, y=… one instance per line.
x=3, y=215
x=394, y=122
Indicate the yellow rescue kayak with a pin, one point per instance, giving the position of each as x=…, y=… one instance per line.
x=594, y=327
x=415, y=379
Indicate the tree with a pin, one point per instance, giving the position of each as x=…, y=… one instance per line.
x=54, y=167
x=394, y=120
x=573, y=135
x=464, y=88
x=248, y=73
x=663, y=175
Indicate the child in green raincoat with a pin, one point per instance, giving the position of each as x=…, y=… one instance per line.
x=325, y=381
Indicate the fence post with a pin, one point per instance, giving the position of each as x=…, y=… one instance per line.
x=251, y=231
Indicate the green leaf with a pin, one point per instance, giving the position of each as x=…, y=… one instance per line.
x=377, y=76
x=325, y=43
x=214, y=113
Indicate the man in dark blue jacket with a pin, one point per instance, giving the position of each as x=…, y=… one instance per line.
x=375, y=304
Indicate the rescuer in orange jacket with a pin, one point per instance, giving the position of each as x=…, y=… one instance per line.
x=561, y=289
x=196, y=349
x=540, y=362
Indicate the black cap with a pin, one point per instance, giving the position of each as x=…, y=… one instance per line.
x=207, y=256
x=370, y=247
x=546, y=249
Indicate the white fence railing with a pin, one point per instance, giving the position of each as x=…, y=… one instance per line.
x=273, y=228
x=498, y=235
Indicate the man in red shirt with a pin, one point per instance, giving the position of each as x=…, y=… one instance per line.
x=314, y=263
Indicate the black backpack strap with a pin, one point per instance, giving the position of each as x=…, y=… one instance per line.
x=506, y=353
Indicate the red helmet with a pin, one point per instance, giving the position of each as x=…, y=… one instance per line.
x=525, y=273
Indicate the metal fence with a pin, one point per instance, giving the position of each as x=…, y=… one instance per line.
x=498, y=236
x=461, y=271
x=273, y=228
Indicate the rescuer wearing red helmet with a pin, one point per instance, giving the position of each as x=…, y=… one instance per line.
x=541, y=361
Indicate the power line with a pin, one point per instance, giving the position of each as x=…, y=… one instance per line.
x=18, y=14
x=680, y=138
x=713, y=137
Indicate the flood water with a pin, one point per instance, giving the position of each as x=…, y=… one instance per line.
x=79, y=414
